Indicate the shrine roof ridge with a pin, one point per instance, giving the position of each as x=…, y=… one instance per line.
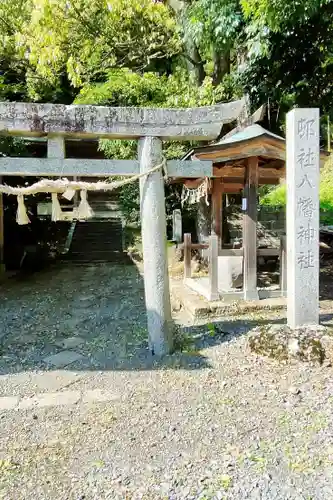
x=86, y=121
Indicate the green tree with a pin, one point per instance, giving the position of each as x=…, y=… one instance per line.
x=277, y=196
x=279, y=14
x=297, y=68
x=216, y=26
x=87, y=38
x=127, y=88
x=210, y=34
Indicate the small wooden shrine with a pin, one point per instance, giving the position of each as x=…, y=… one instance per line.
x=242, y=161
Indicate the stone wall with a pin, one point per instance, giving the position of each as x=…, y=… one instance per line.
x=271, y=224
x=272, y=219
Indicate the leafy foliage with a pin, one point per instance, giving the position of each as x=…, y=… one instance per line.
x=127, y=88
x=88, y=38
x=277, y=197
x=277, y=14
x=215, y=22
x=297, y=67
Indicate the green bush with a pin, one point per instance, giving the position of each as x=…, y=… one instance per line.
x=277, y=197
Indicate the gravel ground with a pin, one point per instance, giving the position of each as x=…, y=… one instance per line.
x=211, y=422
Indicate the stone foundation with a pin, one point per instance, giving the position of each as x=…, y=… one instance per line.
x=310, y=344
x=230, y=273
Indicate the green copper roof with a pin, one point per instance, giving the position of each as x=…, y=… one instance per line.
x=250, y=132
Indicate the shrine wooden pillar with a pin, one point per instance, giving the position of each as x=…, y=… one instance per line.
x=217, y=193
x=250, y=231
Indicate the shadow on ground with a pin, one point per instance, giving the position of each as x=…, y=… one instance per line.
x=93, y=317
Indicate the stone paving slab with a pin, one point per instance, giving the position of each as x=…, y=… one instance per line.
x=98, y=396
x=59, y=398
x=50, y=399
x=71, y=342
x=8, y=402
x=31, y=383
x=63, y=358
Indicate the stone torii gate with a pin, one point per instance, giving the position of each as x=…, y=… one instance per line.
x=150, y=127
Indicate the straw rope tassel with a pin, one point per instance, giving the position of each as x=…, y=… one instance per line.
x=66, y=187
x=84, y=210
x=56, y=208
x=21, y=214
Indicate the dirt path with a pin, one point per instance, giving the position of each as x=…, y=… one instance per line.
x=211, y=422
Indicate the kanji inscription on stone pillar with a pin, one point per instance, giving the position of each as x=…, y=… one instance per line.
x=303, y=217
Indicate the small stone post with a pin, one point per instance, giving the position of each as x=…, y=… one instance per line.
x=153, y=224
x=302, y=217
x=177, y=229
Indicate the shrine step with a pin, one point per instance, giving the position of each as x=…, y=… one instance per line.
x=97, y=241
x=109, y=256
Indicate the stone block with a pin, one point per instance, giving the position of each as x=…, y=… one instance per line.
x=230, y=272
x=307, y=344
x=64, y=398
x=63, y=358
x=8, y=402
x=70, y=343
x=98, y=396
x=177, y=231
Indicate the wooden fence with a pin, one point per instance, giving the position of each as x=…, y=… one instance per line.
x=214, y=252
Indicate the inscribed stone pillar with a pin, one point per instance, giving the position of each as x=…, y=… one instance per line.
x=153, y=224
x=303, y=217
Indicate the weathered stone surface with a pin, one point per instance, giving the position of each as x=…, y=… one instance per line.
x=303, y=217
x=63, y=398
x=309, y=344
x=230, y=273
x=70, y=343
x=56, y=147
x=31, y=119
x=63, y=358
x=177, y=231
x=99, y=396
x=51, y=167
x=8, y=402
x=154, y=244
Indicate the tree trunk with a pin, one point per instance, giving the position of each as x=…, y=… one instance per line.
x=221, y=65
x=196, y=65
x=194, y=62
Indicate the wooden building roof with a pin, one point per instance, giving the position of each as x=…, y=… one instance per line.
x=230, y=155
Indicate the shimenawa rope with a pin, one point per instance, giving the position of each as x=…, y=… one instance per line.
x=67, y=188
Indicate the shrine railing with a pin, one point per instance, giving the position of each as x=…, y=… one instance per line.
x=214, y=252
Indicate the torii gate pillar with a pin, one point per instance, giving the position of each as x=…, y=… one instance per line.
x=154, y=242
